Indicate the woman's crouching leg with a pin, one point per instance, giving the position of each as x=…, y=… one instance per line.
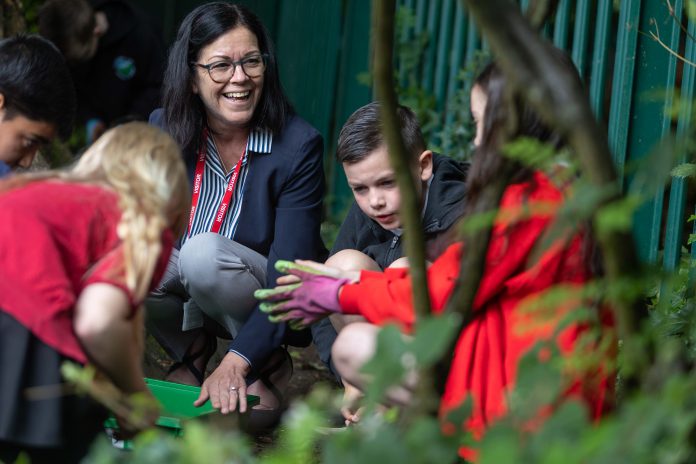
x=221, y=277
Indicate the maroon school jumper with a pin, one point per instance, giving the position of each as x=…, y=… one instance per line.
x=55, y=239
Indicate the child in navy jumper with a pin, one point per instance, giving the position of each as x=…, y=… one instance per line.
x=370, y=237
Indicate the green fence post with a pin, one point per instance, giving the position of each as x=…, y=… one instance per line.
x=444, y=43
x=677, y=195
x=622, y=84
x=351, y=94
x=430, y=58
x=581, y=35
x=650, y=122
x=561, y=25
x=600, y=55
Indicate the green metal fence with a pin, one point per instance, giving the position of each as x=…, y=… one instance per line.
x=631, y=80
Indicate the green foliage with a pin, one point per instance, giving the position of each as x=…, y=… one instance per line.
x=31, y=13
x=409, y=49
x=618, y=215
x=456, y=131
x=684, y=170
x=531, y=152
x=378, y=441
x=397, y=355
x=199, y=443
x=297, y=445
x=448, y=130
x=691, y=9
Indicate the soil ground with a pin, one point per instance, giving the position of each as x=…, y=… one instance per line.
x=308, y=371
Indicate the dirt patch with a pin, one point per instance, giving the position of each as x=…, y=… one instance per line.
x=308, y=371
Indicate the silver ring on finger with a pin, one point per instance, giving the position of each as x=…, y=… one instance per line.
x=233, y=389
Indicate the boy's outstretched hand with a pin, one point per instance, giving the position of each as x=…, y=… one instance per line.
x=312, y=296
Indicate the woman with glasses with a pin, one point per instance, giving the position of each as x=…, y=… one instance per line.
x=258, y=183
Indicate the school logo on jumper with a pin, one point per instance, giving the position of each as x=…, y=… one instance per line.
x=124, y=67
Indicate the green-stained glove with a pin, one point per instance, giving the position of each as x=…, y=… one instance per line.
x=303, y=303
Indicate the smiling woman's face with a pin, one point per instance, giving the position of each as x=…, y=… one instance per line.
x=229, y=104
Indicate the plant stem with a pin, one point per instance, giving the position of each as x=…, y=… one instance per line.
x=383, y=40
x=383, y=12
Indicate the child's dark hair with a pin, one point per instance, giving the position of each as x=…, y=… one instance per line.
x=362, y=133
x=67, y=23
x=488, y=159
x=35, y=82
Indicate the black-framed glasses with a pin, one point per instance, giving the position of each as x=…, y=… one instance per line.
x=223, y=70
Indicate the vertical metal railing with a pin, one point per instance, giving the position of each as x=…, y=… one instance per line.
x=614, y=54
x=655, y=75
x=581, y=36
x=674, y=228
x=600, y=55
x=561, y=25
x=622, y=82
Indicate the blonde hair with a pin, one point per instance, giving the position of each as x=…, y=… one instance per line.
x=143, y=165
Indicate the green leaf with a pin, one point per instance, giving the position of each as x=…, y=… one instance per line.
x=691, y=9
x=617, y=216
x=684, y=170
x=386, y=368
x=529, y=151
x=538, y=381
x=500, y=445
x=433, y=336
x=427, y=444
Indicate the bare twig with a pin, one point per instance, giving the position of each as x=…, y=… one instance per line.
x=656, y=37
x=671, y=10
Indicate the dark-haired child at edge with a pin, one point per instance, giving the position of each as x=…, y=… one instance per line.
x=370, y=236
x=116, y=57
x=489, y=349
x=37, y=99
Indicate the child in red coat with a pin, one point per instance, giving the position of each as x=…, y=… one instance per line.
x=488, y=351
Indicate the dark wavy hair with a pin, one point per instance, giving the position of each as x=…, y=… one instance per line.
x=184, y=112
x=362, y=133
x=488, y=160
x=36, y=82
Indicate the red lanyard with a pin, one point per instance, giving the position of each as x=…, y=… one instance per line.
x=198, y=180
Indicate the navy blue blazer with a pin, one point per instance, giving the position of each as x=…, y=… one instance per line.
x=281, y=215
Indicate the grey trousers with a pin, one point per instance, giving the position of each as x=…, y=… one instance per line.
x=208, y=285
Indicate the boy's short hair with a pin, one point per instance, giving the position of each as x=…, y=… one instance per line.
x=69, y=24
x=36, y=83
x=362, y=133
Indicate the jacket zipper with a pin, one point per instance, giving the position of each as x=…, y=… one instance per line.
x=394, y=242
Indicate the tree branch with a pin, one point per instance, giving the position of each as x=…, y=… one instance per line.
x=383, y=12
x=539, y=12
x=383, y=38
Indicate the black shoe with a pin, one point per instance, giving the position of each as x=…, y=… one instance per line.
x=263, y=420
x=206, y=352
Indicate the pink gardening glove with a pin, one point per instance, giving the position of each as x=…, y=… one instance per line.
x=303, y=303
